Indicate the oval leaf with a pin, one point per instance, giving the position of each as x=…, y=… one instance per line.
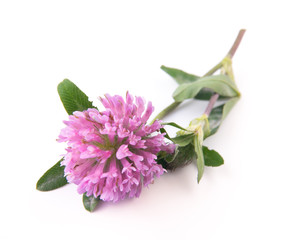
x=73, y=99
x=220, y=84
x=52, y=179
x=90, y=203
x=212, y=158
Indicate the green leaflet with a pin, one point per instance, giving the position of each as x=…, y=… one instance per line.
x=90, y=203
x=221, y=84
x=52, y=178
x=72, y=97
x=212, y=158
x=182, y=77
x=200, y=157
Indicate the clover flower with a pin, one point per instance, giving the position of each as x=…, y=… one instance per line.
x=112, y=154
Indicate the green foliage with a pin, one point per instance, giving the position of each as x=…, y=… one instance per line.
x=90, y=203
x=180, y=76
x=182, y=157
x=218, y=114
x=212, y=158
x=183, y=140
x=72, y=97
x=189, y=141
x=205, y=94
x=190, y=144
x=52, y=179
x=215, y=118
x=200, y=157
x=228, y=106
x=221, y=84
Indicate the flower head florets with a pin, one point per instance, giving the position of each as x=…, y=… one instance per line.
x=112, y=154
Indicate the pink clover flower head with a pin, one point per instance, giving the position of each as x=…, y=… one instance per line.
x=112, y=154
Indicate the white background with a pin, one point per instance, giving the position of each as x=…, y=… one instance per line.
x=115, y=46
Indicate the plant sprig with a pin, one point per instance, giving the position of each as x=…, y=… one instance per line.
x=189, y=140
x=209, y=87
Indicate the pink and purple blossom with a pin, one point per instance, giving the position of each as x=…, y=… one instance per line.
x=112, y=154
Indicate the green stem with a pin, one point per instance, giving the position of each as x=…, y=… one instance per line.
x=214, y=69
